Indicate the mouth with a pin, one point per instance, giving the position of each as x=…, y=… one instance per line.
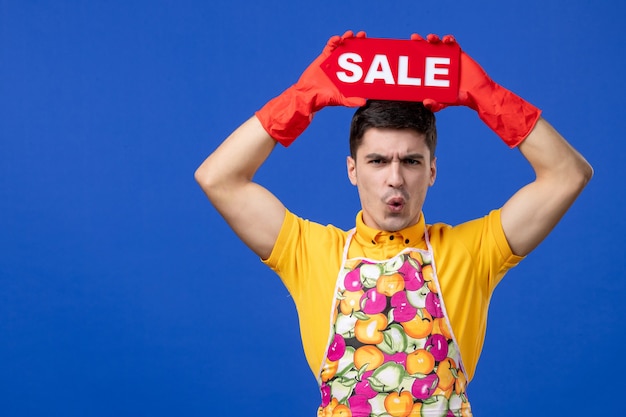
x=395, y=204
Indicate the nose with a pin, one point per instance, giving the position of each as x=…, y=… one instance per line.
x=394, y=176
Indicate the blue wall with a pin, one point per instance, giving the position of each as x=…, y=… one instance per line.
x=123, y=293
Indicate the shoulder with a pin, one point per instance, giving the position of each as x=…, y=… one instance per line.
x=300, y=236
x=299, y=227
x=479, y=244
x=472, y=232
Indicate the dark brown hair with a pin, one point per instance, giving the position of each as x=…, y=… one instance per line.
x=393, y=115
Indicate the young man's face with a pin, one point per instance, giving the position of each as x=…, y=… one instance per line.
x=392, y=172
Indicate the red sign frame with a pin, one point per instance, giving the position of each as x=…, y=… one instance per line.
x=393, y=69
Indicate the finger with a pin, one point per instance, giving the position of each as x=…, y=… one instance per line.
x=354, y=101
x=432, y=38
x=416, y=37
x=361, y=34
x=432, y=105
x=333, y=42
x=449, y=39
x=348, y=34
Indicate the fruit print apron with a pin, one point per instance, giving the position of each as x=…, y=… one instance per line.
x=391, y=351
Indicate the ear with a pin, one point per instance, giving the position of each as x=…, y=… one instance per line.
x=351, y=166
x=433, y=171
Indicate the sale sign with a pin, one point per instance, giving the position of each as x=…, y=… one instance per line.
x=392, y=69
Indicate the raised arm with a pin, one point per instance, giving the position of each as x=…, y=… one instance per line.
x=561, y=172
x=253, y=212
x=226, y=176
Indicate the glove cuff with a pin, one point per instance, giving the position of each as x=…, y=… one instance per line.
x=285, y=117
x=508, y=115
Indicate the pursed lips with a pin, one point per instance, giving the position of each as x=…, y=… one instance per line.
x=395, y=202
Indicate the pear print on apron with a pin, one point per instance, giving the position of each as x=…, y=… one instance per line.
x=391, y=351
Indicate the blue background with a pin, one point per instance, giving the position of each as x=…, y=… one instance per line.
x=123, y=292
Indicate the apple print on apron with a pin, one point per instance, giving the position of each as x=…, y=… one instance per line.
x=391, y=351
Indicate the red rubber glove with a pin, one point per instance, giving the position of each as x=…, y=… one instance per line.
x=508, y=115
x=285, y=117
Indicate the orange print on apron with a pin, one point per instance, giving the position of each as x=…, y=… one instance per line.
x=391, y=351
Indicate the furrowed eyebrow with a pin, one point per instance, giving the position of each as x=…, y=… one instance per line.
x=372, y=156
x=414, y=156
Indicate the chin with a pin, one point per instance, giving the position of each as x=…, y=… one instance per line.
x=393, y=225
x=396, y=222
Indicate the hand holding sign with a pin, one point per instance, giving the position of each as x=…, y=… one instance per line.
x=508, y=115
x=430, y=102
x=288, y=115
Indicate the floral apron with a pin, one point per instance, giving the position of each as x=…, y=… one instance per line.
x=391, y=351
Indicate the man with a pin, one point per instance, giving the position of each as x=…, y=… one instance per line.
x=392, y=313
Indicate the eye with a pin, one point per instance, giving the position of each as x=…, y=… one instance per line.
x=378, y=161
x=410, y=161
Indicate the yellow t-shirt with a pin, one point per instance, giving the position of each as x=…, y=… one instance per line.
x=470, y=258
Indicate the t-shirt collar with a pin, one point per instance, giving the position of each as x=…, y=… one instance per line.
x=411, y=235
